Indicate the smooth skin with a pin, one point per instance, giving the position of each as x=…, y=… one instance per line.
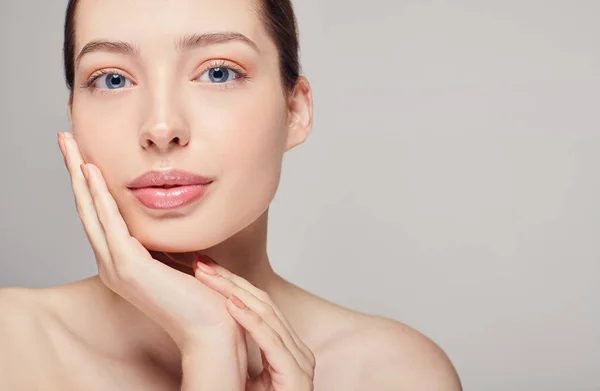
x=152, y=319
x=206, y=330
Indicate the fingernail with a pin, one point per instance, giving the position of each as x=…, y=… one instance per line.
x=237, y=302
x=206, y=269
x=85, y=172
x=67, y=135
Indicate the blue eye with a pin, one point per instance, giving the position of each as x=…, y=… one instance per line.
x=109, y=80
x=219, y=75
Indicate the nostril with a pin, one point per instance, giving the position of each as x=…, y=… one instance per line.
x=164, y=143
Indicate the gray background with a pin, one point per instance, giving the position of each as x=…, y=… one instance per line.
x=451, y=180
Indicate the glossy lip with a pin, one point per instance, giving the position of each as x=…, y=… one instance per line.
x=169, y=198
x=168, y=189
x=171, y=178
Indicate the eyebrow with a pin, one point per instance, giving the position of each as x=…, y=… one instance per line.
x=185, y=43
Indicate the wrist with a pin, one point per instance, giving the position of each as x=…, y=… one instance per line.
x=215, y=361
x=212, y=339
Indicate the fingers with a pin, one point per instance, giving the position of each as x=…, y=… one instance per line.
x=125, y=250
x=263, y=310
x=83, y=199
x=101, y=217
x=262, y=295
x=115, y=229
x=275, y=351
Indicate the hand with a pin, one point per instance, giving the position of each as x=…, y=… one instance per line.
x=183, y=307
x=288, y=364
x=164, y=294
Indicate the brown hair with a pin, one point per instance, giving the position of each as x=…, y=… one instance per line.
x=277, y=15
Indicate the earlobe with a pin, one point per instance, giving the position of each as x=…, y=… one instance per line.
x=300, y=113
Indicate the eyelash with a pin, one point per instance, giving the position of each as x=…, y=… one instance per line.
x=241, y=77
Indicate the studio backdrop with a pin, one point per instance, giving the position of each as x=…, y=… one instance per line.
x=451, y=180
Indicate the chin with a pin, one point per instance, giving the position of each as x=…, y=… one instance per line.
x=201, y=226
x=193, y=233
x=172, y=237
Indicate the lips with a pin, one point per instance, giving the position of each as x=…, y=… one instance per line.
x=169, y=189
x=168, y=179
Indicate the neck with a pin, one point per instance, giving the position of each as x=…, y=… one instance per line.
x=243, y=254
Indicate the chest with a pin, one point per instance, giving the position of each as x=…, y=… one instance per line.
x=75, y=373
x=73, y=366
x=99, y=376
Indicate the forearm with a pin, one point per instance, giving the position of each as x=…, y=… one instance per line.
x=217, y=365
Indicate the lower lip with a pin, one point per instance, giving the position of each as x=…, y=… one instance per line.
x=171, y=198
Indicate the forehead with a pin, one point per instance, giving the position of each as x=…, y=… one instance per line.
x=156, y=22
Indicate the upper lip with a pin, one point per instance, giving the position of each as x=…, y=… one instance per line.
x=171, y=177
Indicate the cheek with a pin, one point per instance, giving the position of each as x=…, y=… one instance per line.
x=103, y=132
x=249, y=150
x=256, y=139
x=245, y=130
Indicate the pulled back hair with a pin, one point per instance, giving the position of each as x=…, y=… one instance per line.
x=277, y=15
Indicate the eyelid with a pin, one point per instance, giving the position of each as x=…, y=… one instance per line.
x=102, y=72
x=242, y=76
x=221, y=63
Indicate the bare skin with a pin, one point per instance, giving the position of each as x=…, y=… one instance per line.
x=80, y=336
x=104, y=334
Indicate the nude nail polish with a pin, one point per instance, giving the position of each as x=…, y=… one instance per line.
x=237, y=302
x=206, y=269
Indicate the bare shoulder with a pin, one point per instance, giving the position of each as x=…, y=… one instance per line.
x=400, y=357
x=19, y=318
x=383, y=354
x=22, y=337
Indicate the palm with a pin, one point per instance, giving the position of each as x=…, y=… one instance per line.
x=171, y=296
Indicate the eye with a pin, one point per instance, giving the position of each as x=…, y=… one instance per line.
x=219, y=75
x=110, y=80
x=222, y=74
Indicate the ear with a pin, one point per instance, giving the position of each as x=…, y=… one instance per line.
x=300, y=113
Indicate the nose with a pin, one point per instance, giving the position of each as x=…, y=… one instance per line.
x=164, y=136
x=164, y=129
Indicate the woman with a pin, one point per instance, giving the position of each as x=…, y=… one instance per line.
x=180, y=114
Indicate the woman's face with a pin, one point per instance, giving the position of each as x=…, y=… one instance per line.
x=174, y=100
